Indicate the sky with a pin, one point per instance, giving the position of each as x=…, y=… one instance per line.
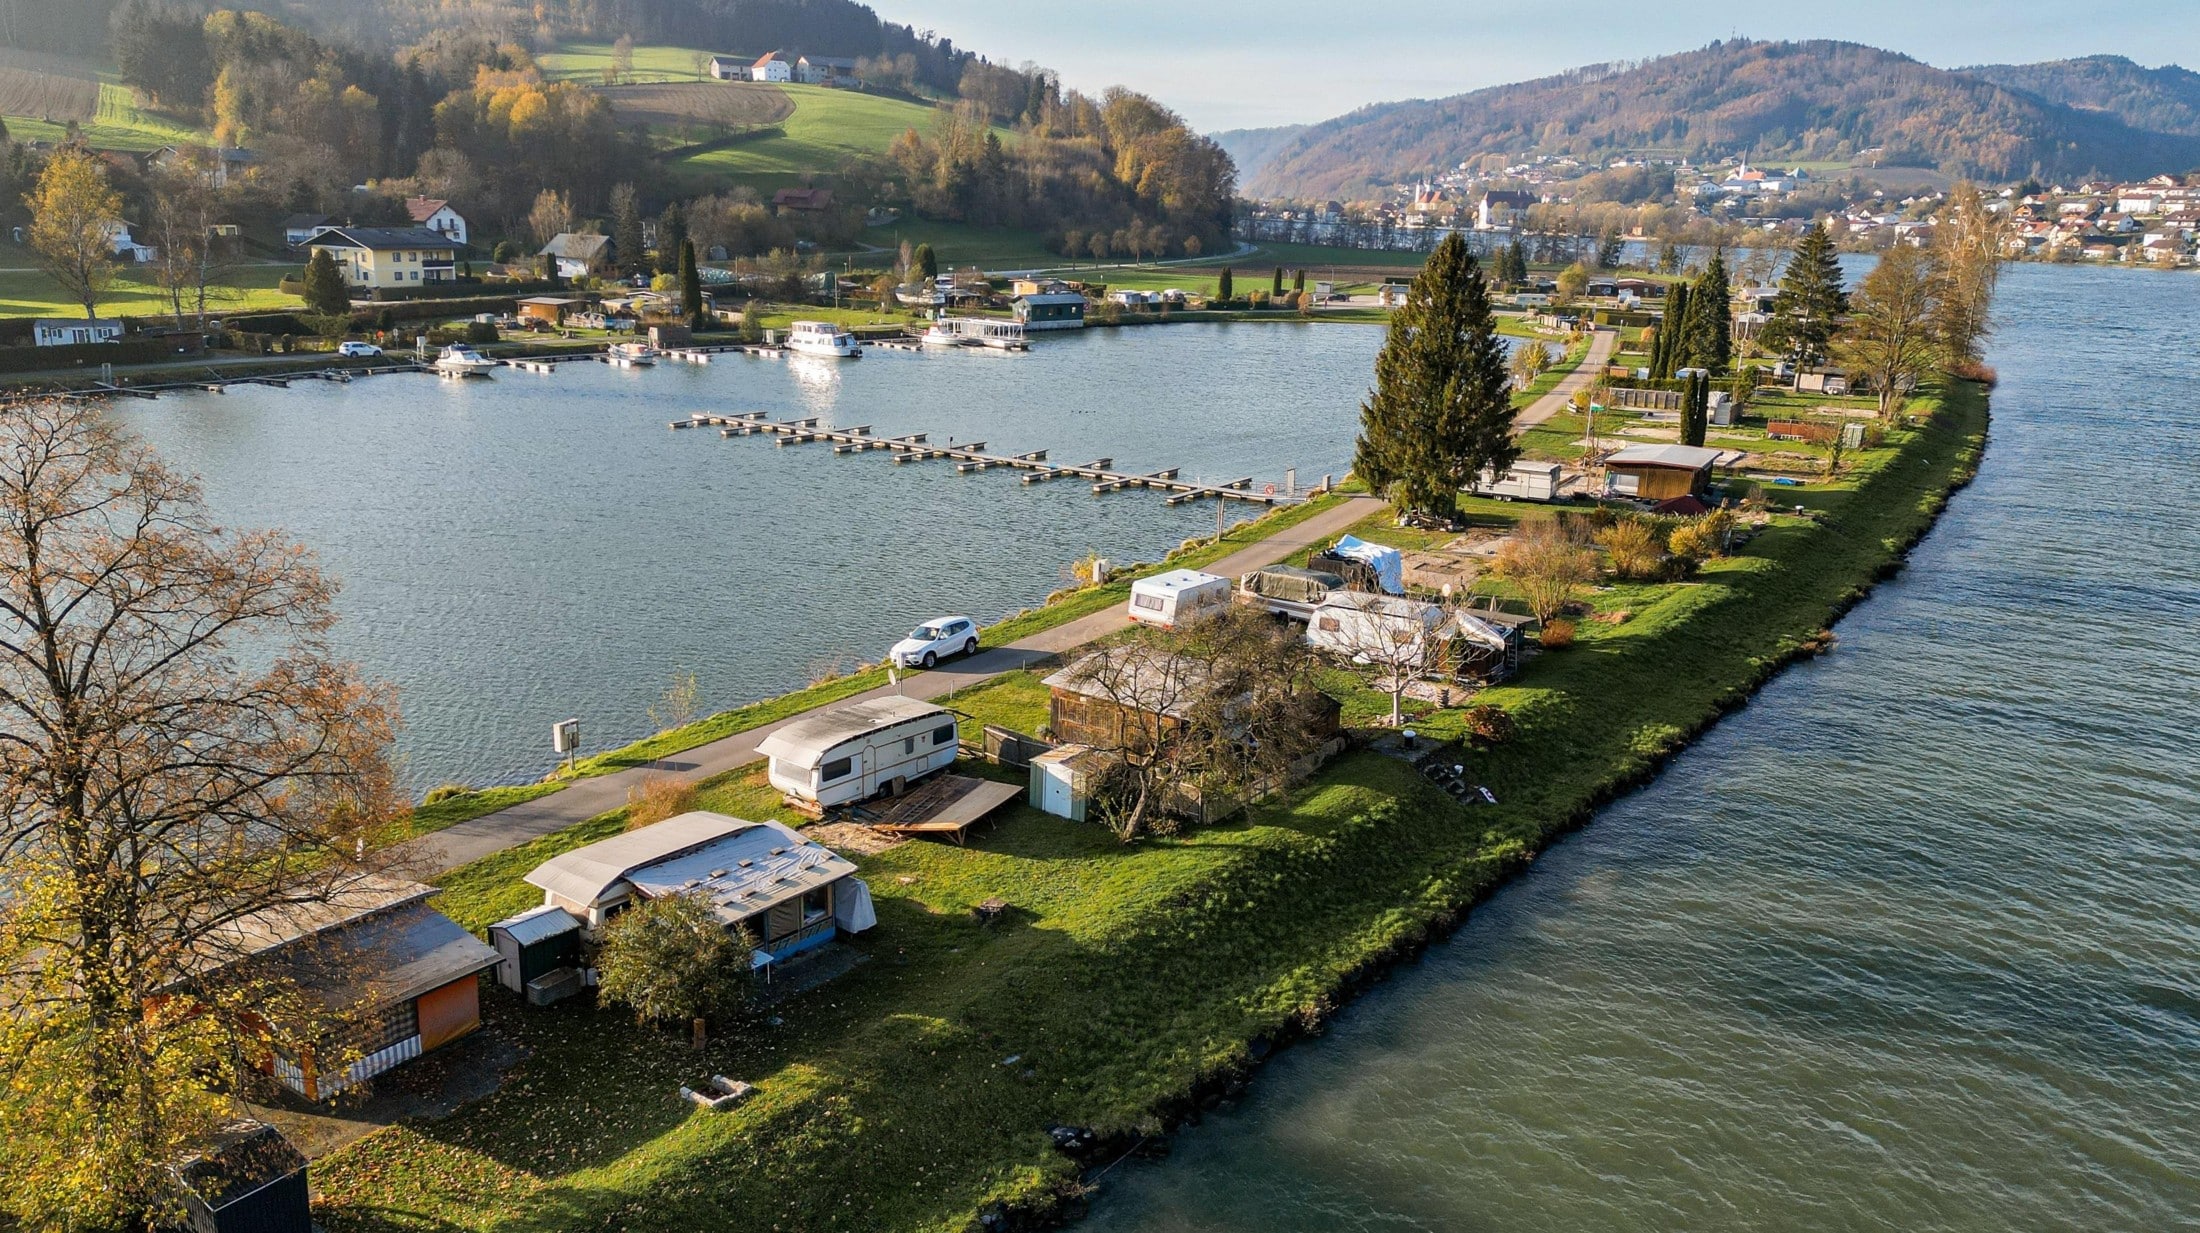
x=1252, y=63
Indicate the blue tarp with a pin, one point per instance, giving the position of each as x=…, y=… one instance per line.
x=1388, y=563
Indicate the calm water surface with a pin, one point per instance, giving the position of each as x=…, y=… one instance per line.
x=521, y=549
x=1907, y=945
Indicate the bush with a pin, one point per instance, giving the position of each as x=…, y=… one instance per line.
x=657, y=798
x=1489, y=725
x=1701, y=539
x=672, y=958
x=1636, y=547
x=480, y=332
x=1556, y=635
x=443, y=792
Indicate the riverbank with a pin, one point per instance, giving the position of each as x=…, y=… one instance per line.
x=1129, y=986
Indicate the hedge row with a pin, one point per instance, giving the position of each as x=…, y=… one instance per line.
x=127, y=351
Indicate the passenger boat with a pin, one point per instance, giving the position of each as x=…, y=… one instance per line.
x=460, y=360
x=822, y=338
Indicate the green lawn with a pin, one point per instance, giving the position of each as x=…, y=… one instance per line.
x=827, y=129
x=119, y=124
x=30, y=293
x=957, y=244
x=585, y=62
x=913, y=1092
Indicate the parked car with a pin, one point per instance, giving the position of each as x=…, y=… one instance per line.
x=934, y=641
x=358, y=350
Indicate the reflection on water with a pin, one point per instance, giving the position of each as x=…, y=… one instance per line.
x=524, y=548
x=1907, y=945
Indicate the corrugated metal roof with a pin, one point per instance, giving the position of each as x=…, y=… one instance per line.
x=584, y=874
x=537, y=924
x=746, y=872
x=806, y=740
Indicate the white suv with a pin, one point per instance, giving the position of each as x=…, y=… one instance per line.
x=934, y=641
x=359, y=350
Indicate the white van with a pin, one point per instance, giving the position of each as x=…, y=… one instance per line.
x=1178, y=597
x=856, y=751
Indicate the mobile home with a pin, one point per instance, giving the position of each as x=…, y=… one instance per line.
x=855, y=751
x=1178, y=597
x=1354, y=623
x=1526, y=481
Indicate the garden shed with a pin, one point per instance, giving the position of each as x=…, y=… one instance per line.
x=1659, y=472
x=247, y=1178
x=534, y=944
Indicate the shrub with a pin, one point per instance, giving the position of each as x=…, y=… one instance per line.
x=1636, y=547
x=1489, y=725
x=1556, y=635
x=657, y=798
x=1700, y=539
x=1544, y=560
x=480, y=332
x=443, y=792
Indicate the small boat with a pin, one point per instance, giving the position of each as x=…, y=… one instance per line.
x=822, y=338
x=942, y=334
x=632, y=354
x=460, y=360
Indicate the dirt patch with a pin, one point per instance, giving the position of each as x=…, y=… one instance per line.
x=47, y=96
x=426, y=1088
x=849, y=837
x=728, y=104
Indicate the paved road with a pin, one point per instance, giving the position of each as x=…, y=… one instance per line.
x=586, y=798
x=1602, y=344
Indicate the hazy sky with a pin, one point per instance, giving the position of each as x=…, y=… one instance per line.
x=1249, y=63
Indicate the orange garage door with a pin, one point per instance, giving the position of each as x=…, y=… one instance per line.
x=450, y=1012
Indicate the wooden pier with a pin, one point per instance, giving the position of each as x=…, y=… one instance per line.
x=970, y=457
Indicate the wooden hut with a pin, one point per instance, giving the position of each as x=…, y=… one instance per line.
x=1659, y=472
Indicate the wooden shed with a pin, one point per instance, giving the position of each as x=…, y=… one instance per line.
x=1659, y=472
x=548, y=309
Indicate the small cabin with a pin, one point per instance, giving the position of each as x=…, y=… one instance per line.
x=1129, y=698
x=245, y=1178
x=1657, y=472
x=1051, y=310
x=791, y=893
x=551, y=310
x=74, y=332
x=858, y=750
x=1177, y=597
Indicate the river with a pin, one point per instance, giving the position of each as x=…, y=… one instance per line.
x=1907, y=944
x=522, y=549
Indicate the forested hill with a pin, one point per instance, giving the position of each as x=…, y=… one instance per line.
x=1809, y=101
x=2165, y=99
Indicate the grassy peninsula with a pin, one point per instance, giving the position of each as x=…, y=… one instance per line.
x=1129, y=983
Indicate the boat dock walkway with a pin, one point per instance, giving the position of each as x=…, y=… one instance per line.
x=971, y=456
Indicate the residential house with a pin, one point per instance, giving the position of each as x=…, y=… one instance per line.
x=729, y=68
x=1659, y=472
x=373, y=258
x=1501, y=209
x=771, y=66
x=70, y=332
x=803, y=200
x=577, y=255
x=217, y=168
x=299, y=228
x=791, y=893
x=436, y=215
x=826, y=71
x=400, y=976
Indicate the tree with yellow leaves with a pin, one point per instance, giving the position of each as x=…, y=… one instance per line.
x=73, y=215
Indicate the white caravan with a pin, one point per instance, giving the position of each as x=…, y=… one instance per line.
x=856, y=751
x=1526, y=481
x=1178, y=597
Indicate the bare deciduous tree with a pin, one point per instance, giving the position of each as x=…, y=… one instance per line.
x=1546, y=561
x=178, y=752
x=1888, y=337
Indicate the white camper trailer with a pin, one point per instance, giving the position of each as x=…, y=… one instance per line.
x=1526, y=481
x=856, y=751
x=1178, y=597
x=1355, y=624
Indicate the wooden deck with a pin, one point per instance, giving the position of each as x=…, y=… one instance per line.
x=949, y=805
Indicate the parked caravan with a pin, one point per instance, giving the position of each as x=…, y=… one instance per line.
x=1526, y=481
x=856, y=751
x=1178, y=597
x=1287, y=590
x=1350, y=623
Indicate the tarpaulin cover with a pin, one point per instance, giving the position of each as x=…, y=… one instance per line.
x=1388, y=563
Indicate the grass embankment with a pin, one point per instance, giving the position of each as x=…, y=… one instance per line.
x=1081, y=603
x=913, y=1091
x=27, y=292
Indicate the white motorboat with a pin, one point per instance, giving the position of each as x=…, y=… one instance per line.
x=822, y=338
x=632, y=354
x=460, y=360
x=942, y=334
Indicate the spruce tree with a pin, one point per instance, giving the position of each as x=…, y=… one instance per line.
x=1808, y=303
x=1665, y=356
x=925, y=265
x=691, y=285
x=1223, y=290
x=1441, y=412
x=1710, y=332
x=1696, y=410
x=326, y=292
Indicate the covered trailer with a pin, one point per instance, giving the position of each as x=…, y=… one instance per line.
x=1525, y=481
x=1373, y=566
x=858, y=750
x=1287, y=590
x=1178, y=597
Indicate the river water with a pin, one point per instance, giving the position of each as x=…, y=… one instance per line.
x=1906, y=945
x=526, y=548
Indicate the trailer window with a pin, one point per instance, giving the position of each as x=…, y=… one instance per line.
x=838, y=768
x=908, y=745
x=944, y=735
x=1328, y=624
x=816, y=904
x=1151, y=603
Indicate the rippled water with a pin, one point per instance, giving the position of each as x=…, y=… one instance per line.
x=517, y=550
x=1906, y=945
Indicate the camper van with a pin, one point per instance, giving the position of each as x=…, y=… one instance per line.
x=1178, y=597
x=1526, y=481
x=857, y=751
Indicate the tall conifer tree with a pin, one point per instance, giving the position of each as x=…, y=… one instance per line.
x=1710, y=333
x=1441, y=412
x=1696, y=410
x=1808, y=303
x=1666, y=350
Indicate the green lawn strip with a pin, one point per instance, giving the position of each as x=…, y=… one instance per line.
x=427, y=819
x=31, y=293
x=1081, y=603
x=827, y=128
x=914, y=1090
x=1014, y=700
x=957, y=244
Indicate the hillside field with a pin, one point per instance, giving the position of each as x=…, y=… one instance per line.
x=40, y=94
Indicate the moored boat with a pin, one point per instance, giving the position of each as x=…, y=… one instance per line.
x=822, y=338
x=460, y=360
